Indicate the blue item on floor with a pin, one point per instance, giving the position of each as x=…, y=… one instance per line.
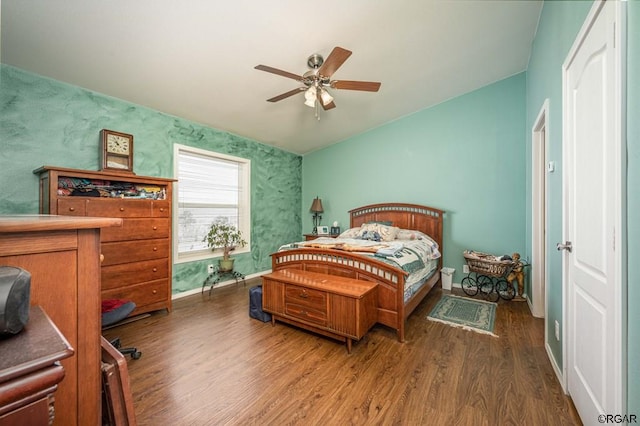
x=255, y=305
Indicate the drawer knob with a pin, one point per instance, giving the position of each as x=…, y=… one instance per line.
x=155, y=228
x=155, y=249
x=155, y=291
x=72, y=209
x=162, y=209
x=155, y=269
x=304, y=295
x=121, y=209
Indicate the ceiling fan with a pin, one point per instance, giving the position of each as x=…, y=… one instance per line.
x=318, y=79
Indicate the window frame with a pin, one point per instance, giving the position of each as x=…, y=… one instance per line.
x=244, y=217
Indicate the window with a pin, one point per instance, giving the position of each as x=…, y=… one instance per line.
x=210, y=187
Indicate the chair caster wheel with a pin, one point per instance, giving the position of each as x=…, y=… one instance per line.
x=136, y=355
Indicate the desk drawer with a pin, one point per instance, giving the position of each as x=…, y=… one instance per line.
x=118, y=208
x=72, y=206
x=161, y=209
x=144, y=294
x=124, y=274
x=316, y=316
x=306, y=297
x=137, y=229
x=134, y=251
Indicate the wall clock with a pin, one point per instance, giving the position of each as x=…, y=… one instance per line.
x=116, y=151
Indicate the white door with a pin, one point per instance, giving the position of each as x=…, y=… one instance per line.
x=592, y=211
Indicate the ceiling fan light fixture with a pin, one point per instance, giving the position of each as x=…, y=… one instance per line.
x=326, y=97
x=310, y=93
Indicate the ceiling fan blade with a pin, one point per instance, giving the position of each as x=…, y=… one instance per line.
x=278, y=72
x=287, y=94
x=335, y=60
x=367, y=86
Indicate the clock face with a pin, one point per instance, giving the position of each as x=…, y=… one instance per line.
x=117, y=144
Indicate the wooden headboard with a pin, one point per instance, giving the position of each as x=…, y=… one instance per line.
x=406, y=216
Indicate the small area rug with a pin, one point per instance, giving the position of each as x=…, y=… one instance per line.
x=469, y=314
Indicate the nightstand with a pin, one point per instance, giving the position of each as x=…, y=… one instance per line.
x=309, y=237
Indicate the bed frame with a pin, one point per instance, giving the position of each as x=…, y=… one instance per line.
x=392, y=309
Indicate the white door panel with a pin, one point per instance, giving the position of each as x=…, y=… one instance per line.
x=589, y=160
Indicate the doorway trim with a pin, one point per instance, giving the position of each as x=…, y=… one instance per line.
x=539, y=167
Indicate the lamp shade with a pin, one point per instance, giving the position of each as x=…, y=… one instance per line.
x=326, y=97
x=316, y=206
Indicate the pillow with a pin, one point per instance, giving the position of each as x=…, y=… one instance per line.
x=382, y=222
x=409, y=234
x=350, y=233
x=386, y=233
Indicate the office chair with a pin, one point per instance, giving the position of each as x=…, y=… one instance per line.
x=114, y=311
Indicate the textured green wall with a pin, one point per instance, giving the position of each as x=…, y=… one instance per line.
x=558, y=27
x=633, y=205
x=46, y=122
x=464, y=156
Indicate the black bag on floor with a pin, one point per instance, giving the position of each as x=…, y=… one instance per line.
x=255, y=305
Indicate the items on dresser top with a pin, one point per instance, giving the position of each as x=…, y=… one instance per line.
x=137, y=255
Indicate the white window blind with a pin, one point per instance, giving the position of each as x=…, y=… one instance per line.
x=210, y=187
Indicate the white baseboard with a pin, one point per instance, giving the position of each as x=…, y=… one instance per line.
x=220, y=284
x=556, y=368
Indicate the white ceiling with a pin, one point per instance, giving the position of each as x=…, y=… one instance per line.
x=195, y=58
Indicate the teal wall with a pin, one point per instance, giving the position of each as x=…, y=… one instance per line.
x=633, y=205
x=465, y=156
x=46, y=122
x=559, y=25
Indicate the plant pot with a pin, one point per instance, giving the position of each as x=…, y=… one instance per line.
x=225, y=265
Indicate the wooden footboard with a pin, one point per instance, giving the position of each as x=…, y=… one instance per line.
x=391, y=308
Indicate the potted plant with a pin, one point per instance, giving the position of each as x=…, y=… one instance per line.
x=225, y=236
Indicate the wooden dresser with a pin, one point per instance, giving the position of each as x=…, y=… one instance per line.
x=137, y=255
x=62, y=254
x=337, y=307
x=30, y=371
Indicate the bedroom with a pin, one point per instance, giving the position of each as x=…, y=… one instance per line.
x=53, y=123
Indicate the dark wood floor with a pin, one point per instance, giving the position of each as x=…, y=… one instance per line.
x=208, y=363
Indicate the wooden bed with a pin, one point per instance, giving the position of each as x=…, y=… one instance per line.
x=392, y=310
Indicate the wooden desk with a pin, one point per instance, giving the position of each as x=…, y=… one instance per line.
x=30, y=372
x=62, y=253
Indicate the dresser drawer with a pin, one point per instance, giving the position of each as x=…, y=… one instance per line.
x=125, y=274
x=142, y=295
x=137, y=229
x=160, y=209
x=118, y=208
x=306, y=297
x=72, y=206
x=134, y=251
x=316, y=316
